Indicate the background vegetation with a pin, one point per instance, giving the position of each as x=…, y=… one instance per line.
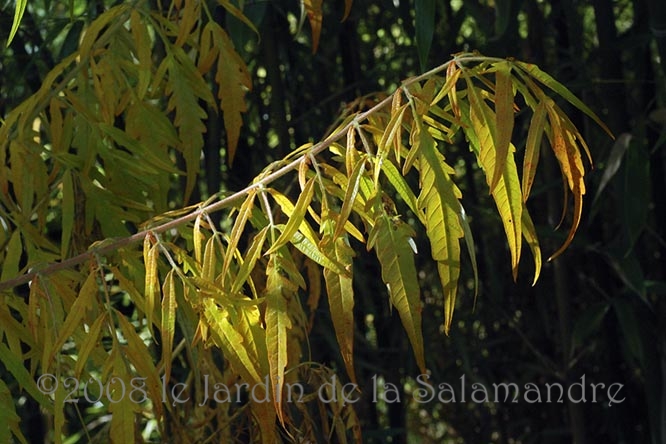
x=596, y=311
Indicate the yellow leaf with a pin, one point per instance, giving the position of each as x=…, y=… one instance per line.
x=341, y=301
x=168, y=327
x=250, y=260
x=351, y=191
x=296, y=218
x=507, y=194
x=234, y=81
x=278, y=322
x=76, y=312
x=88, y=344
x=244, y=213
x=571, y=165
x=532, y=148
x=390, y=238
x=503, y=119
x=152, y=281
x=439, y=199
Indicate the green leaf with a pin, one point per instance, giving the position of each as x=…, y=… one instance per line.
x=425, y=29
x=560, y=89
x=503, y=119
x=8, y=417
x=390, y=238
x=278, y=322
x=18, y=16
x=296, y=218
x=351, y=191
x=439, y=199
x=532, y=148
x=340, y=292
x=507, y=194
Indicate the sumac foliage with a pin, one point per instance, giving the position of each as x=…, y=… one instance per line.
x=185, y=301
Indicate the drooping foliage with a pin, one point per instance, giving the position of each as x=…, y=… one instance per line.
x=95, y=151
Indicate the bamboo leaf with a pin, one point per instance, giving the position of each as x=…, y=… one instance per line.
x=425, y=29
x=390, y=238
x=121, y=406
x=296, y=218
x=10, y=265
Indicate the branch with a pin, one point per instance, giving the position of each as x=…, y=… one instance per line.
x=227, y=201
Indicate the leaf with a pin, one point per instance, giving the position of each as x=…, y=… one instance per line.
x=613, y=163
x=8, y=417
x=152, y=279
x=532, y=147
x=507, y=194
x=404, y=191
x=439, y=199
x=560, y=89
x=250, y=260
x=84, y=301
x=232, y=344
x=89, y=343
x=296, y=218
x=571, y=164
x=531, y=237
x=185, y=86
x=278, y=289
x=244, y=213
x=138, y=354
x=314, y=12
x=18, y=16
x=503, y=119
x=168, y=326
x=425, y=29
x=121, y=406
x=469, y=243
x=351, y=192
x=390, y=238
x=340, y=292
x=68, y=213
x=14, y=365
x=10, y=264
x=234, y=81
x=389, y=136
x=234, y=11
